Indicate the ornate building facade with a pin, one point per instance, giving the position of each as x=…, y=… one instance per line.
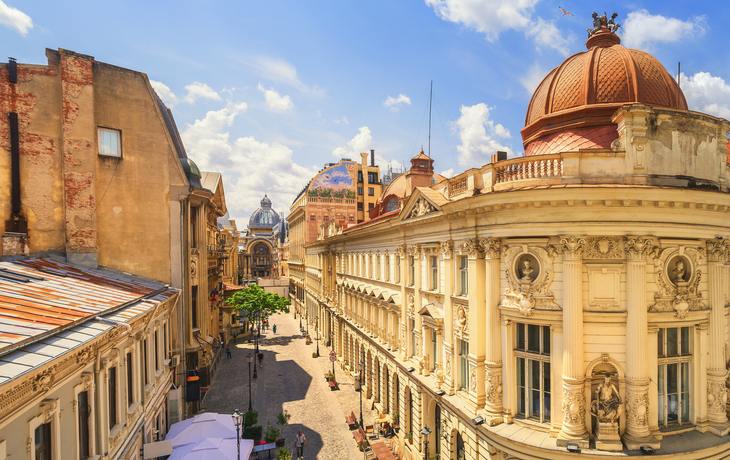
x=257, y=255
x=574, y=298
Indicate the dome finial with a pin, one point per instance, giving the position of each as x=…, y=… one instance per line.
x=603, y=33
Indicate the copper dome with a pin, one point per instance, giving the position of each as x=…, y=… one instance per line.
x=588, y=87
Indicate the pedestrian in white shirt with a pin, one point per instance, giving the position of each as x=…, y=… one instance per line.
x=299, y=442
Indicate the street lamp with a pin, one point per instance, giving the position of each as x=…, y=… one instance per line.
x=316, y=332
x=332, y=341
x=237, y=418
x=425, y=432
x=249, y=358
x=301, y=329
x=256, y=354
x=359, y=377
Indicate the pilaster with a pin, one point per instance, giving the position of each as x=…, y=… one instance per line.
x=493, y=337
x=477, y=318
x=574, y=398
x=447, y=249
x=717, y=252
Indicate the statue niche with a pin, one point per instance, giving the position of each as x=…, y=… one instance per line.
x=606, y=407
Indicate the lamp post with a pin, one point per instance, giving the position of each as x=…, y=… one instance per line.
x=359, y=377
x=332, y=335
x=316, y=332
x=301, y=329
x=425, y=432
x=249, y=358
x=237, y=418
x=256, y=353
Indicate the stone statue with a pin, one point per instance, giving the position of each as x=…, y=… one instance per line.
x=608, y=406
x=596, y=24
x=612, y=25
x=461, y=318
x=679, y=271
x=439, y=378
x=527, y=270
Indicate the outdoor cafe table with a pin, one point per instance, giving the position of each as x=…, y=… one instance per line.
x=380, y=421
x=382, y=451
x=263, y=447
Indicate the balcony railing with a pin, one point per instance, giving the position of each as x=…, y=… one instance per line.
x=534, y=167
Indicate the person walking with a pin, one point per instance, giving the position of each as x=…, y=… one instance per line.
x=228, y=352
x=299, y=442
x=261, y=358
x=273, y=328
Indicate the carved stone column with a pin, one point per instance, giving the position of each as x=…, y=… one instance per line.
x=717, y=252
x=447, y=248
x=416, y=252
x=493, y=352
x=400, y=253
x=477, y=314
x=637, y=431
x=574, y=398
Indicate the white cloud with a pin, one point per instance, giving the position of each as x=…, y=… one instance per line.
x=395, y=103
x=448, y=173
x=274, y=101
x=706, y=93
x=532, y=78
x=341, y=120
x=360, y=143
x=477, y=134
x=249, y=167
x=641, y=29
x=281, y=71
x=165, y=93
x=546, y=35
x=197, y=90
x=492, y=17
x=15, y=19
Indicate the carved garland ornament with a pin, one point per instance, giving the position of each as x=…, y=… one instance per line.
x=716, y=396
x=473, y=379
x=682, y=294
x=530, y=292
x=494, y=387
x=603, y=247
x=637, y=407
x=574, y=410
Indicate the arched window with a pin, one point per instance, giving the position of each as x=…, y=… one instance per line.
x=409, y=409
x=437, y=433
x=460, y=451
x=391, y=204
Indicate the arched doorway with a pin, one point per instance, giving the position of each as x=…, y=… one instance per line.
x=409, y=410
x=437, y=430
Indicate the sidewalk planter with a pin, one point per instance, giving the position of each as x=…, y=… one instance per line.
x=409, y=437
x=314, y=354
x=280, y=442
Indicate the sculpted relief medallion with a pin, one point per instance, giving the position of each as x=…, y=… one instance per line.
x=529, y=275
x=678, y=276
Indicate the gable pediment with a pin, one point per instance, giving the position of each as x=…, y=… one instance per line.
x=423, y=201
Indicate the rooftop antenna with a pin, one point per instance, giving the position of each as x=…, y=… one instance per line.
x=430, y=99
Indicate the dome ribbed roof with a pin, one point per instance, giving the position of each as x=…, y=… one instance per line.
x=264, y=217
x=588, y=87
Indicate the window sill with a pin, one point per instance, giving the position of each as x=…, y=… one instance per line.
x=131, y=409
x=677, y=429
x=148, y=387
x=460, y=298
x=114, y=431
x=158, y=373
x=527, y=423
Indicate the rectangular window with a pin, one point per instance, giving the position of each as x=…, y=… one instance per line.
x=130, y=382
x=145, y=363
x=193, y=227
x=673, y=382
x=110, y=142
x=164, y=341
x=371, y=191
x=312, y=217
x=194, y=306
x=414, y=342
x=434, y=273
x=377, y=266
x=82, y=404
x=397, y=268
x=387, y=267
x=464, y=363
x=326, y=217
x=532, y=349
x=463, y=275
x=359, y=206
x=359, y=190
x=157, y=352
x=371, y=205
x=352, y=218
x=412, y=261
x=112, y=397
x=43, y=442
x=434, y=347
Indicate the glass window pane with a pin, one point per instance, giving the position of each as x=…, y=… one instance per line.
x=546, y=340
x=521, y=401
x=685, y=341
x=535, y=404
x=672, y=409
x=660, y=384
x=534, y=374
x=660, y=342
x=546, y=407
x=546, y=377
x=672, y=341
x=521, y=372
x=114, y=144
x=672, y=378
x=685, y=377
x=685, y=408
x=533, y=338
x=520, y=336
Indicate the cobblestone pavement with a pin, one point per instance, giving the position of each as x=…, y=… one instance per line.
x=294, y=381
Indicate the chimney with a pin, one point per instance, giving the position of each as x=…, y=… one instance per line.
x=499, y=156
x=372, y=157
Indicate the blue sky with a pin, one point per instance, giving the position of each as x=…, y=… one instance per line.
x=267, y=92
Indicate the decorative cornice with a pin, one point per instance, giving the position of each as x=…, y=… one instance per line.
x=572, y=247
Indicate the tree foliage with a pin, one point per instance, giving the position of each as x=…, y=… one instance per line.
x=253, y=300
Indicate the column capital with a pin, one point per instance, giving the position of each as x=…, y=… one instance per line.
x=447, y=248
x=572, y=246
x=415, y=250
x=400, y=250
x=473, y=248
x=638, y=247
x=717, y=250
x=492, y=247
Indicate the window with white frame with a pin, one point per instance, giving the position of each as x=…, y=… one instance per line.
x=412, y=261
x=434, y=273
x=464, y=364
x=130, y=380
x=532, y=352
x=110, y=142
x=463, y=276
x=673, y=383
x=112, y=393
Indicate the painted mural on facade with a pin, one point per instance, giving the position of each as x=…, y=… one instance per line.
x=335, y=182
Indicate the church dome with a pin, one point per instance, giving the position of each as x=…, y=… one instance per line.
x=264, y=217
x=581, y=95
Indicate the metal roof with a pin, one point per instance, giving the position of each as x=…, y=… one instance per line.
x=45, y=305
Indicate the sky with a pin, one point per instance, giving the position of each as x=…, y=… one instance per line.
x=268, y=92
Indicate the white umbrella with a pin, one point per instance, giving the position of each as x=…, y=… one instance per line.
x=212, y=449
x=200, y=427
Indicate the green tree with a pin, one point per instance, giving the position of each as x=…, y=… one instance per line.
x=255, y=302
